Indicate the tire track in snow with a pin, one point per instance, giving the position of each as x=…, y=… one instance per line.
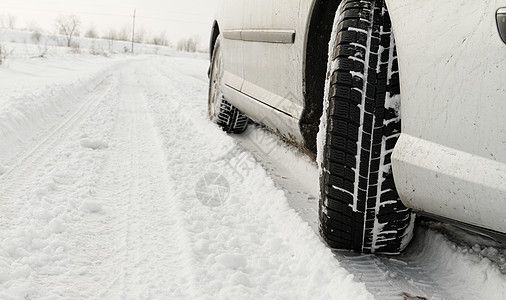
x=384, y=278
x=17, y=177
x=147, y=256
x=107, y=226
x=253, y=246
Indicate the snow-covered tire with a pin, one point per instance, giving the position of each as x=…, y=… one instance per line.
x=359, y=205
x=220, y=111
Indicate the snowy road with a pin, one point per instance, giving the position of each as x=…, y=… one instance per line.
x=116, y=186
x=107, y=201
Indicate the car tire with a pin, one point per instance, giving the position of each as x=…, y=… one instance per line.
x=220, y=111
x=359, y=206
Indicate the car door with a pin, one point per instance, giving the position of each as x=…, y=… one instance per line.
x=272, y=60
x=231, y=22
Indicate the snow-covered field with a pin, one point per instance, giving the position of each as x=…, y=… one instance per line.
x=114, y=185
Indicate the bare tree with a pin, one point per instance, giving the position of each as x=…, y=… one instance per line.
x=68, y=26
x=161, y=39
x=111, y=35
x=125, y=33
x=188, y=44
x=11, y=21
x=91, y=32
x=140, y=35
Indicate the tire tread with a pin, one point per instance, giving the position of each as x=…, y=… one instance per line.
x=359, y=126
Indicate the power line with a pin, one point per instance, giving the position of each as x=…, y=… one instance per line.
x=178, y=13
x=96, y=4
x=174, y=20
x=64, y=11
x=110, y=15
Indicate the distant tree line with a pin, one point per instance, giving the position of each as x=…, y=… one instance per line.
x=71, y=26
x=189, y=45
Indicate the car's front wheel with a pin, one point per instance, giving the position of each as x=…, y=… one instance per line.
x=359, y=206
x=221, y=111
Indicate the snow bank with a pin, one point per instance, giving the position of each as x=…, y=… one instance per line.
x=468, y=271
x=45, y=192
x=29, y=110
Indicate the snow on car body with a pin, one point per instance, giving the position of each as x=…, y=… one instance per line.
x=450, y=160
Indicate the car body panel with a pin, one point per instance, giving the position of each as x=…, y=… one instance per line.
x=282, y=123
x=451, y=157
x=439, y=180
x=276, y=88
x=279, y=84
x=233, y=74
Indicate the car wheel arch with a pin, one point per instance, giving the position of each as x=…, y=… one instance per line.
x=215, y=32
x=317, y=39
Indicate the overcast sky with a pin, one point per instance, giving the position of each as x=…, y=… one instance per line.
x=179, y=18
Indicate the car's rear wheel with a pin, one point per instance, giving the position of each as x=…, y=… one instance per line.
x=359, y=206
x=221, y=111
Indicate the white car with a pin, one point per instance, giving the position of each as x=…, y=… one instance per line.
x=330, y=77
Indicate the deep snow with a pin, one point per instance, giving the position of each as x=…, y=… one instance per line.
x=114, y=184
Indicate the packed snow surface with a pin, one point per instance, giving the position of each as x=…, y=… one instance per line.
x=115, y=185
x=106, y=186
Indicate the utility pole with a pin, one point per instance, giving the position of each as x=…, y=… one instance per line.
x=133, y=34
